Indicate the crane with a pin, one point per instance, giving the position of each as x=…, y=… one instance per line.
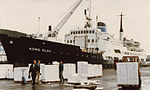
x=54, y=33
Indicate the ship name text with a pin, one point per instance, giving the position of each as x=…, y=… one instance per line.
x=39, y=49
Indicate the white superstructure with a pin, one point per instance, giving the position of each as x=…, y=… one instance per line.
x=97, y=40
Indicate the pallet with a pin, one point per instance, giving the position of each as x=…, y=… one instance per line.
x=128, y=85
x=3, y=78
x=46, y=82
x=94, y=77
x=90, y=87
x=21, y=82
x=6, y=79
x=74, y=83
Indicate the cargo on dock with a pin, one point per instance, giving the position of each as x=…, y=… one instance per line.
x=6, y=71
x=20, y=72
x=51, y=73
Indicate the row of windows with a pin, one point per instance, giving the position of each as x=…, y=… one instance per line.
x=89, y=40
x=83, y=32
x=92, y=40
x=93, y=49
x=127, y=53
x=3, y=58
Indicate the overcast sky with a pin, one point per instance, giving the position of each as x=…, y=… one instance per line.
x=22, y=15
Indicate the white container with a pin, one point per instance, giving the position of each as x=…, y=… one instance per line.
x=69, y=70
x=10, y=74
x=127, y=73
x=42, y=71
x=20, y=72
x=82, y=67
x=4, y=69
x=77, y=78
x=51, y=73
x=90, y=70
x=73, y=78
x=95, y=70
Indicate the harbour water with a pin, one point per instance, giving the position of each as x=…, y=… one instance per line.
x=108, y=82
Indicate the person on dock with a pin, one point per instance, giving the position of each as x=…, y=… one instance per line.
x=38, y=73
x=61, y=68
x=33, y=70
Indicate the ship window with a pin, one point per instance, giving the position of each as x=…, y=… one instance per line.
x=71, y=33
x=92, y=40
x=78, y=32
x=84, y=32
x=116, y=58
x=74, y=32
x=93, y=31
x=127, y=53
x=117, y=51
x=67, y=41
x=74, y=41
x=96, y=49
x=49, y=35
x=70, y=41
x=90, y=31
x=88, y=40
x=81, y=32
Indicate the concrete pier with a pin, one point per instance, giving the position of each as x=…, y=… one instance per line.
x=108, y=82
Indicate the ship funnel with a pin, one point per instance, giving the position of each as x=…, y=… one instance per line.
x=49, y=28
x=101, y=26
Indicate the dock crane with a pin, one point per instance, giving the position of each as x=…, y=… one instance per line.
x=54, y=33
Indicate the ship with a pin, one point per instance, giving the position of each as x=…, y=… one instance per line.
x=97, y=39
x=88, y=43
x=23, y=49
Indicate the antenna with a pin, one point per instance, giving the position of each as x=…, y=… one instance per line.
x=38, y=33
x=90, y=9
x=96, y=18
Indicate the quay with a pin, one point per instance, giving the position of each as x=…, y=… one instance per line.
x=108, y=82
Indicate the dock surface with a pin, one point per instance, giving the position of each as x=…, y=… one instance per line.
x=108, y=82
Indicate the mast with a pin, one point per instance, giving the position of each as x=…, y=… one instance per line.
x=87, y=13
x=38, y=33
x=121, y=29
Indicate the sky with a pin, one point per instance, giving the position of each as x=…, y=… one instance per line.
x=22, y=15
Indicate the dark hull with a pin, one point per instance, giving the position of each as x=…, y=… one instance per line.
x=22, y=50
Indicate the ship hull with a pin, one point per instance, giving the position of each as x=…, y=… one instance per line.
x=22, y=50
